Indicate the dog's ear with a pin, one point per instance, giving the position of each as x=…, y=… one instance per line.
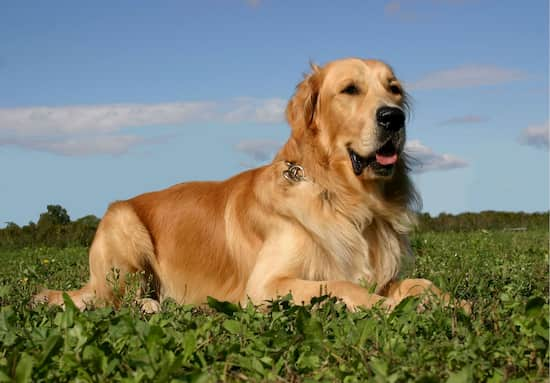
x=300, y=110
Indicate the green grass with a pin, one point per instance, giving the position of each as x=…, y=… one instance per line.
x=504, y=275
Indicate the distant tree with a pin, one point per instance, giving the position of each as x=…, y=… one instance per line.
x=88, y=220
x=55, y=215
x=487, y=220
x=10, y=234
x=83, y=230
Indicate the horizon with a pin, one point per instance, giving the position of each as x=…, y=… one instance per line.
x=73, y=219
x=101, y=102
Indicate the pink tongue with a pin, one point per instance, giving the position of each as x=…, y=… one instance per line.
x=386, y=160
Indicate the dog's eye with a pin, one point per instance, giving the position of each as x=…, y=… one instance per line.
x=350, y=89
x=395, y=89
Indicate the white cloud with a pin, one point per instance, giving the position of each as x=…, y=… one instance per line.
x=425, y=159
x=536, y=135
x=466, y=119
x=94, y=129
x=98, y=119
x=47, y=121
x=392, y=7
x=81, y=145
x=416, y=10
x=264, y=111
x=259, y=150
x=467, y=76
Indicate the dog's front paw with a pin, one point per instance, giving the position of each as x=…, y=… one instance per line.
x=149, y=306
x=387, y=304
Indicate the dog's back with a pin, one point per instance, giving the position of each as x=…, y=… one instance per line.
x=182, y=238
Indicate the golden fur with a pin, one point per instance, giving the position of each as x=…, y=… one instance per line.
x=258, y=235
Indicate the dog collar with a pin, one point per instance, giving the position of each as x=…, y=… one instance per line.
x=294, y=172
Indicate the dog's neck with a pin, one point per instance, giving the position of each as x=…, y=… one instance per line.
x=387, y=200
x=305, y=148
x=301, y=149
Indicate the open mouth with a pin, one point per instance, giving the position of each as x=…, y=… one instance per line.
x=382, y=161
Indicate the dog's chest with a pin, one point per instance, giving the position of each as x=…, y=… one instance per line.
x=344, y=240
x=342, y=252
x=337, y=248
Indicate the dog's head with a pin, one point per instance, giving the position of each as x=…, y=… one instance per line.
x=356, y=110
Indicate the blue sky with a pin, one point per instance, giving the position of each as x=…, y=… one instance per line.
x=103, y=100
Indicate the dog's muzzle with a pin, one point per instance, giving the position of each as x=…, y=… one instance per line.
x=391, y=122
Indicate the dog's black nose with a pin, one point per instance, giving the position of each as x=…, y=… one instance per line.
x=390, y=118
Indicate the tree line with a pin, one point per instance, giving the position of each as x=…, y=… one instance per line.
x=485, y=220
x=55, y=228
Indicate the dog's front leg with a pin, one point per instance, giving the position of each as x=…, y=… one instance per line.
x=353, y=295
x=279, y=271
x=399, y=290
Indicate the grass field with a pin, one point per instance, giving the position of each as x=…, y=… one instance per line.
x=504, y=275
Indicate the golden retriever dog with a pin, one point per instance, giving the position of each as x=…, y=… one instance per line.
x=330, y=214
